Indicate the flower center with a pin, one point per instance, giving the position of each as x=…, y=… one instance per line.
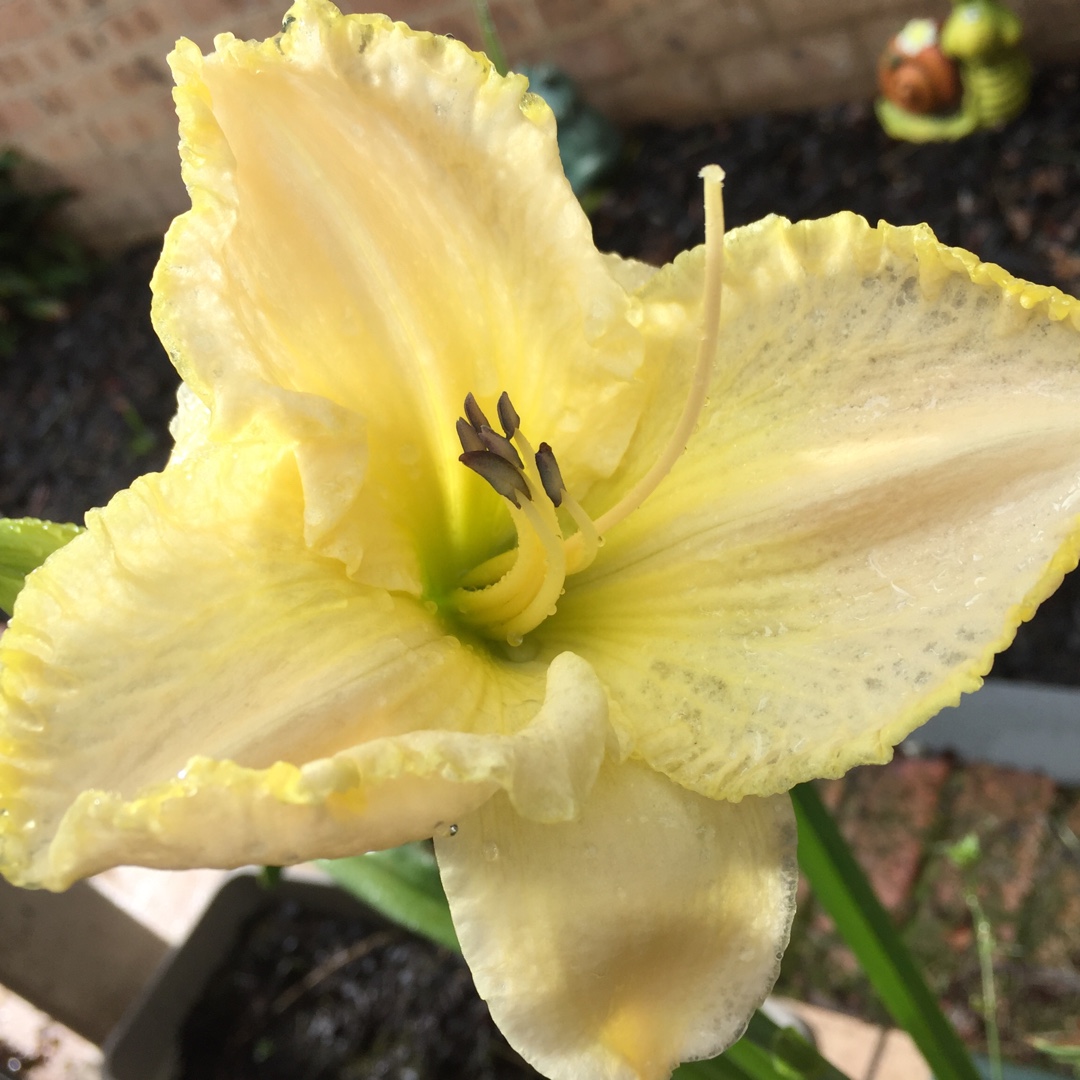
x=513, y=593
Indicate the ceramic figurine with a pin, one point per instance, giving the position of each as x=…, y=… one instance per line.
x=985, y=37
x=939, y=85
x=915, y=74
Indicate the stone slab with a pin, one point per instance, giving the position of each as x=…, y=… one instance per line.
x=1016, y=724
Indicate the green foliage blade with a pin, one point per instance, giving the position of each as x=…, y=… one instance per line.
x=766, y=1052
x=403, y=884
x=492, y=41
x=721, y=1068
x=841, y=887
x=25, y=543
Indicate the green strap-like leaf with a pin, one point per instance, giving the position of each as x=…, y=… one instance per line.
x=403, y=884
x=721, y=1068
x=765, y=1052
x=25, y=543
x=841, y=887
x=492, y=42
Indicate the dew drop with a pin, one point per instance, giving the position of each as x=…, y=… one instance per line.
x=443, y=830
x=527, y=650
x=514, y=640
x=491, y=851
x=431, y=607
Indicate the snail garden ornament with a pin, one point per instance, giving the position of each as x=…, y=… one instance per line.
x=944, y=82
x=916, y=75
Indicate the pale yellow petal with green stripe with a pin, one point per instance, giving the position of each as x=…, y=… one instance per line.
x=642, y=934
x=884, y=484
x=187, y=684
x=381, y=220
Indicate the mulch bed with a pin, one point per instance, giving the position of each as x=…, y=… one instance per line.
x=308, y=995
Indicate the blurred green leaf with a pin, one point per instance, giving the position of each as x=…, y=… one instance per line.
x=843, y=891
x=39, y=263
x=403, y=884
x=766, y=1052
x=25, y=543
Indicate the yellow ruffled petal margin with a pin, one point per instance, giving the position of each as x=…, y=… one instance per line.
x=884, y=485
x=382, y=221
x=641, y=934
x=377, y=795
x=188, y=684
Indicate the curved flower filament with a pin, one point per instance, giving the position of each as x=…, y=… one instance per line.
x=508, y=599
x=513, y=592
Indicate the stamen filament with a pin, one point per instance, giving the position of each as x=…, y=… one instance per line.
x=489, y=571
x=713, y=176
x=527, y=591
x=512, y=593
x=506, y=596
x=543, y=602
x=532, y=473
x=581, y=548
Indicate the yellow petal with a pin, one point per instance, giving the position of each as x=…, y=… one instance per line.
x=379, y=794
x=187, y=683
x=190, y=427
x=884, y=485
x=644, y=933
x=381, y=220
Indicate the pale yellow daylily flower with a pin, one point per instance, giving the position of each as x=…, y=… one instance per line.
x=281, y=648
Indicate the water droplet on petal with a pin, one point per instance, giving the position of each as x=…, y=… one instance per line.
x=514, y=640
x=491, y=851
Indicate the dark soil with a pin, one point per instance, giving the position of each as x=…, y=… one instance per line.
x=312, y=996
x=85, y=404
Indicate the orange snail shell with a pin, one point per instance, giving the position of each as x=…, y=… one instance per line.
x=926, y=81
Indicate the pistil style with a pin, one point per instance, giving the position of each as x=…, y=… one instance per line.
x=511, y=594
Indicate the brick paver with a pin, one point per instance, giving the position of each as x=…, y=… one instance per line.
x=888, y=818
x=900, y=818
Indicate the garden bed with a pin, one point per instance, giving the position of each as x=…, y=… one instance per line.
x=301, y=980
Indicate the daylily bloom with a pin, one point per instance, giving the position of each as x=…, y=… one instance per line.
x=590, y=668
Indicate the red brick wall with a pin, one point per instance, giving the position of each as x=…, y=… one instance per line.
x=84, y=89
